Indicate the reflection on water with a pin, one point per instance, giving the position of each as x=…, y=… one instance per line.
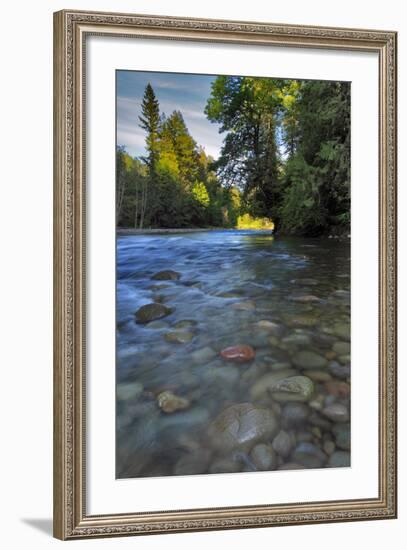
x=280, y=401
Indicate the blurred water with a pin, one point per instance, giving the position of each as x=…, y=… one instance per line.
x=218, y=269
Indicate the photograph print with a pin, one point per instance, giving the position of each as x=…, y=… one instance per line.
x=232, y=274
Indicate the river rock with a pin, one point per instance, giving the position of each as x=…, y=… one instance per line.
x=179, y=336
x=336, y=412
x=196, y=462
x=306, y=299
x=269, y=326
x=309, y=455
x=238, y=354
x=341, y=433
x=305, y=281
x=328, y=447
x=191, y=419
x=151, y=312
x=291, y=466
x=342, y=330
x=185, y=323
x=166, y=275
x=283, y=443
x=296, y=340
x=319, y=375
x=304, y=320
x=341, y=348
x=203, y=355
x=225, y=375
x=225, y=465
x=339, y=371
x=339, y=459
x=294, y=388
x=337, y=388
x=309, y=360
x=129, y=391
x=264, y=384
x=241, y=426
x=294, y=414
x=169, y=402
x=264, y=457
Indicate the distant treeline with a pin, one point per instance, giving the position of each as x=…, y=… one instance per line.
x=285, y=157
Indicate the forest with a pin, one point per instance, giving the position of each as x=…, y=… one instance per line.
x=284, y=162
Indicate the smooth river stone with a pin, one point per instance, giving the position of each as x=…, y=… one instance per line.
x=166, y=275
x=341, y=433
x=196, y=462
x=309, y=455
x=336, y=412
x=283, y=443
x=296, y=340
x=306, y=299
x=129, y=391
x=262, y=387
x=185, y=323
x=152, y=312
x=295, y=414
x=269, y=326
x=341, y=330
x=294, y=388
x=240, y=427
x=319, y=375
x=264, y=457
x=339, y=371
x=339, y=459
x=169, y=402
x=179, y=336
x=309, y=360
x=341, y=348
x=338, y=389
x=203, y=355
x=238, y=354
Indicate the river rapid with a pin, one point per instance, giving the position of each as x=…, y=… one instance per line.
x=242, y=364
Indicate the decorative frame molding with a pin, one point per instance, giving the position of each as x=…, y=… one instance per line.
x=70, y=31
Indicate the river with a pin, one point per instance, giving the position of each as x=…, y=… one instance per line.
x=278, y=399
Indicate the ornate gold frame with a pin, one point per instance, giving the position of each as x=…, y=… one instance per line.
x=70, y=31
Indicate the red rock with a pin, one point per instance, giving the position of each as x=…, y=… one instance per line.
x=238, y=354
x=338, y=389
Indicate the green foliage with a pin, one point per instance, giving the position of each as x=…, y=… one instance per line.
x=248, y=222
x=284, y=163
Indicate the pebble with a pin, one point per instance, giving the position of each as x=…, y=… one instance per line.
x=179, y=336
x=309, y=360
x=339, y=371
x=294, y=414
x=264, y=457
x=283, y=443
x=341, y=433
x=342, y=330
x=129, y=391
x=306, y=299
x=226, y=375
x=241, y=426
x=336, y=412
x=341, y=348
x=308, y=454
x=264, y=384
x=337, y=388
x=296, y=340
x=185, y=323
x=169, y=402
x=166, y=275
x=294, y=388
x=319, y=375
x=339, y=459
x=203, y=355
x=151, y=312
x=328, y=447
x=269, y=326
x=196, y=462
x=238, y=354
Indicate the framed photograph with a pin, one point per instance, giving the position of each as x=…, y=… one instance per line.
x=225, y=274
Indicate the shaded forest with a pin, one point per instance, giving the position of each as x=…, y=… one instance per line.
x=284, y=162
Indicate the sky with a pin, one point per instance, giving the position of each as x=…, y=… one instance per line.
x=184, y=92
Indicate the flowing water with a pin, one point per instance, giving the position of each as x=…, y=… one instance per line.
x=286, y=299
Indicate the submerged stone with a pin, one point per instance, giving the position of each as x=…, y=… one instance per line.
x=309, y=360
x=151, y=312
x=166, y=275
x=169, y=402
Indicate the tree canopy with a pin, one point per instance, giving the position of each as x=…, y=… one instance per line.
x=285, y=159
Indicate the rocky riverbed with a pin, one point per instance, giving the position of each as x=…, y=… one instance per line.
x=233, y=353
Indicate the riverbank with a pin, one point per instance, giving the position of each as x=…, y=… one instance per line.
x=168, y=231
